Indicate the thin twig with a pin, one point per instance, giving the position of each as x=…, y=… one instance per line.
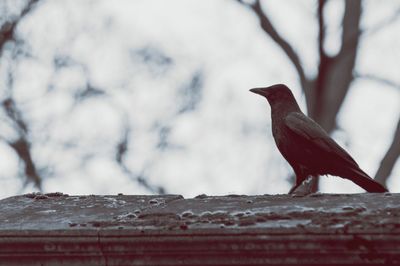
x=376, y=28
x=121, y=150
x=378, y=79
x=390, y=158
x=268, y=27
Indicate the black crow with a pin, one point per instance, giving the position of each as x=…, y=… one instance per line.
x=306, y=145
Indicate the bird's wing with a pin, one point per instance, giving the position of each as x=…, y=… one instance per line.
x=313, y=134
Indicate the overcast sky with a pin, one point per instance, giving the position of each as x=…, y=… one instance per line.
x=174, y=76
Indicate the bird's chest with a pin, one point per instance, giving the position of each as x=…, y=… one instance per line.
x=290, y=148
x=281, y=137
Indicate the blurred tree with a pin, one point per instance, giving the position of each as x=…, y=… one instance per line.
x=325, y=92
x=20, y=140
x=21, y=143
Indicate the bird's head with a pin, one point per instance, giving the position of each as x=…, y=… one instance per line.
x=274, y=92
x=278, y=95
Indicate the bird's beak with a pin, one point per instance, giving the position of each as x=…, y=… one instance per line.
x=260, y=91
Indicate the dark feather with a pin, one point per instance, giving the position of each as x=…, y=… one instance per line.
x=305, y=128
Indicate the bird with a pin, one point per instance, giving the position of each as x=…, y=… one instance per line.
x=306, y=146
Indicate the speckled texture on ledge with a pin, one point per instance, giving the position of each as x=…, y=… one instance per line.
x=338, y=212
x=279, y=229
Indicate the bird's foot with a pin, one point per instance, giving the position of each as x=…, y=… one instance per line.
x=295, y=195
x=315, y=194
x=300, y=193
x=304, y=188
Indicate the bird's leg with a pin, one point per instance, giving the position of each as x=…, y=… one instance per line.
x=293, y=188
x=302, y=186
x=299, y=181
x=300, y=177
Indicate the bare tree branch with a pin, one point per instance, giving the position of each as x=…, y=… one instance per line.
x=390, y=158
x=340, y=74
x=268, y=28
x=378, y=79
x=122, y=148
x=15, y=115
x=22, y=148
x=321, y=25
x=376, y=28
x=392, y=154
x=315, y=107
x=7, y=30
x=381, y=25
x=22, y=145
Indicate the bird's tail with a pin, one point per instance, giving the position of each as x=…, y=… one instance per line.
x=359, y=177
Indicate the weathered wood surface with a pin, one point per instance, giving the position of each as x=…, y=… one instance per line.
x=57, y=229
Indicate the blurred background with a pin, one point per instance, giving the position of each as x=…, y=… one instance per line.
x=151, y=96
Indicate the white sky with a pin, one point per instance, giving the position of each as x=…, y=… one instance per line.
x=225, y=144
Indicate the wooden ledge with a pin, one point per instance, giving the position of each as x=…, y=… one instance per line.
x=57, y=229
